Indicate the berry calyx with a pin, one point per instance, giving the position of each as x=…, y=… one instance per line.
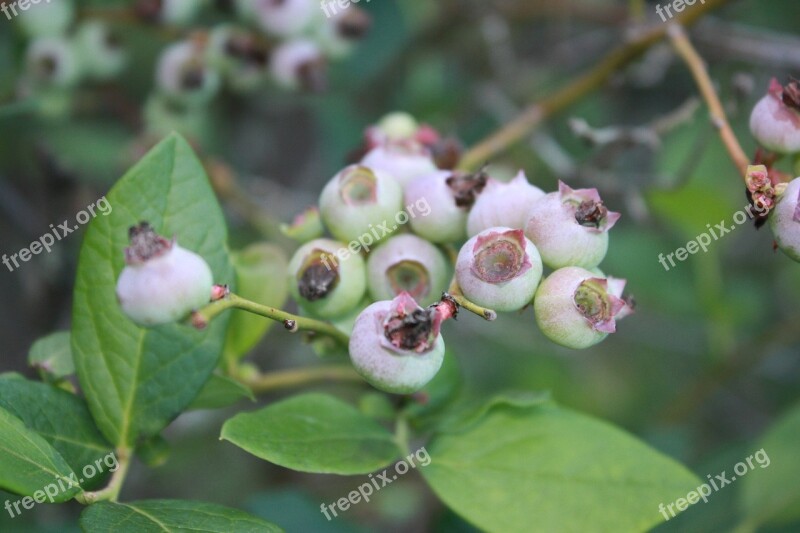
x=161, y=282
x=397, y=346
x=570, y=227
x=499, y=268
x=406, y=263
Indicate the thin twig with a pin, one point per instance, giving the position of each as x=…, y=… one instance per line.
x=684, y=48
x=297, y=377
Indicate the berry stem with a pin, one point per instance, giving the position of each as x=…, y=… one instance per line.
x=202, y=317
x=455, y=292
x=538, y=112
x=296, y=377
x=111, y=491
x=683, y=46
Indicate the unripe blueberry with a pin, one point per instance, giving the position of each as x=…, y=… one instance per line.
x=184, y=75
x=499, y=268
x=101, y=53
x=286, y=18
x=396, y=345
x=324, y=284
x=177, y=12
x=360, y=201
x=503, y=204
x=395, y=126
x=48, y=19
x=52, y=62
x=338, y=34
x=785, y=220
x=403, y=161
x=299, y=64
x=569, y=227
x=775, y=120
x=306, y=226
x=240, y=55
x=576, y=309
x=407, y=263
x=162, y=282
x=448, y=196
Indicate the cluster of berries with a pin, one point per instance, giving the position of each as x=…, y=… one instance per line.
x=288, y=42
x=60, y=54
x=775, y=123
x=512, y=231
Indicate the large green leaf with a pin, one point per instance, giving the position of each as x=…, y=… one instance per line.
x=314, y=433
x=169, y=516
x=542, y=468
x=60, y=417
x=770, y=492
x=221, y=391
x=137, y=380
x=28, y=463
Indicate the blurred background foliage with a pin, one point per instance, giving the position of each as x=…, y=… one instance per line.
x=707, y=364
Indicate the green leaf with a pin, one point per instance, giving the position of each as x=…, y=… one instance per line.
x=221, y=391
x=563, y=471
x=170, y=516
x=29, y=463
x=771, y=493
x=439, y=394
x=137, y=380
x=61, y=418
x=314, y=433
x=53, y=355
x=261, y=271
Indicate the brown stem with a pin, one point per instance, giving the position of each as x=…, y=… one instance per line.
x=684, y=48
x=536, y=113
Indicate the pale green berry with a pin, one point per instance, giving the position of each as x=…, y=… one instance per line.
x=785, y=220
x=407, y=263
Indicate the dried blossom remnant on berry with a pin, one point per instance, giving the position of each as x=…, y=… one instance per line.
x=589, y=210
x=145, y=244
x=410, y=328
x=467, y=187
x=409, y=276
x=596, y=301
x=316, y=279
x=500, y=256
x=791, y=94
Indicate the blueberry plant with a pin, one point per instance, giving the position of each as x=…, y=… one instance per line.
x=165, y=313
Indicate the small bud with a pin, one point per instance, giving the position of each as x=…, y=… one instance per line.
x=785, y=220
x=499, y=268
x=570, y=227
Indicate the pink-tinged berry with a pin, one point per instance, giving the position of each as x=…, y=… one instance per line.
x=570, y=227
x=785, y=220
x=299, y=64
x=775, y=120
x=396, y=345
x=285, y=18
x=503, y=204
x=407, y=263
x=184, y=76
x=361, y=202
x=449, y=196
x=403, y=161
x=325, y=279
x=499, y=268
x=52, y=62
x=161, y=282
x=576, y=309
